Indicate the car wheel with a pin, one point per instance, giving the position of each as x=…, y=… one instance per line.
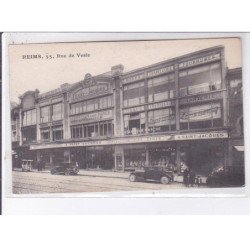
x=67, y=172
x=165, y=180
x=132, y=177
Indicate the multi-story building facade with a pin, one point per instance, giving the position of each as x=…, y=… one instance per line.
x=176, y=111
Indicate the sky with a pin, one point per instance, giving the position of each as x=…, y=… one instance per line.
x=46, y=74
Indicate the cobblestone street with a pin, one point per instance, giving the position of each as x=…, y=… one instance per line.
x=44, y=182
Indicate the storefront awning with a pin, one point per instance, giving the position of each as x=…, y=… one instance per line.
x=239, y=148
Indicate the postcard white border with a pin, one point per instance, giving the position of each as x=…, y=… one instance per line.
x=43, y=204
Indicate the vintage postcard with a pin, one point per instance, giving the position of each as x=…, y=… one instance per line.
x=131, y=116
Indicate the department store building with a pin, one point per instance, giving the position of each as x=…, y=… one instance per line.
x=172, y=112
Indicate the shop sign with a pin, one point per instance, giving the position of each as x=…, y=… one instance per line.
x=98, y=89
x=134, y=78
x=50, y=101
x=200, y=113
x=52, y=92
x=161, y=105
x=201, y=97
x=199, y=61
x=160, y=71
x=133, y=110
x=201, y=136
x=139, y=139
x=97, y=116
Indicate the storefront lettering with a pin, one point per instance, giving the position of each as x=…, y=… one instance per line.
x=50, y=101
x=141, y=139
x=160, y=71
x=161, y=105
x=198, y=61
x=134, y=78
x=101, y=88
x=133, y=110
x=202, y=97
x=97, y=116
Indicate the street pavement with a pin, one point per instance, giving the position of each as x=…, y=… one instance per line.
x=85, y=181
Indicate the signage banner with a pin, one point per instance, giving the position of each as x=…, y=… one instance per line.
x=133, y=110
x=198, y=61
x=201, y=113
x=139, y=139
x=201, y=97
x=97, y=116
x=90, y=91
x=161, y=105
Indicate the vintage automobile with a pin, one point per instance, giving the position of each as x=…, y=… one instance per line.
x=65, y=168
x=161, y=174
x=233, y=177
x=27, y=165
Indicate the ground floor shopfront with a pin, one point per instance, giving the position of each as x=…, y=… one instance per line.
x=202, y=152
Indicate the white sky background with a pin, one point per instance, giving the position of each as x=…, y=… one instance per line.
x=45, y=74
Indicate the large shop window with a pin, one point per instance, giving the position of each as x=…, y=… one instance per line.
x=57, y=133
x=91, y=105
x=134, y=94
x=134, y=123
x=161, y=88
x=200, y=79
x=161, y=120
x=57, y=112
x=92, y=130
x=45, y=134
x=163, y=156
x=201, y=116
x=29, y=135
x=134, y=158
x=29, y=117
x=45, y=114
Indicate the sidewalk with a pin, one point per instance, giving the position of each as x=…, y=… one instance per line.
x=93, y=173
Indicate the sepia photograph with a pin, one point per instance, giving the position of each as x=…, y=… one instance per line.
x=131, y=116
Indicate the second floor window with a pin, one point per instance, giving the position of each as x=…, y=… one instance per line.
x=45, y=114
x=29, y=117
x=45, y=134
x=57, y=133
x=57, y=111
x=134, y=94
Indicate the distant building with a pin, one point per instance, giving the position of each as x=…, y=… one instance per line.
x=176, y=111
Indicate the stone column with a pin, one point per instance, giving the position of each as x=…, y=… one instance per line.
x=117, y=90
x=224, y=86
x=20, y=127
x=66, y=121
x=38, y=132
x=177, y=115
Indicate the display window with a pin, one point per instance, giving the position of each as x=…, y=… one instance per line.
x=164, y=156
x=134, y=158
x=134, y=123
